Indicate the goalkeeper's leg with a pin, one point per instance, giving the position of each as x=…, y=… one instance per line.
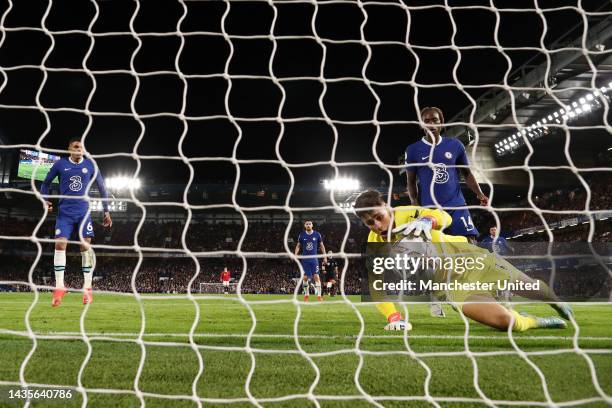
x=435, y=307
x=88, y=262
x=494, y=315
x=544, y=294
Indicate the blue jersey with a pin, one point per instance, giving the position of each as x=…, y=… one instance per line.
x=310, y=243
x=74, y=178
x=446, y=188
x=499, y=245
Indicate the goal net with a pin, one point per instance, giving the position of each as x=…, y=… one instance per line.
x=221, y=127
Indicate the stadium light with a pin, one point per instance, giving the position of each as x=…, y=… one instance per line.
x=113, y=206
x=342, y=184
x=581, y=106
x=123, y=183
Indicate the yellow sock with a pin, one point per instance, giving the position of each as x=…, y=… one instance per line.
x=523, y=323
x=389, y=310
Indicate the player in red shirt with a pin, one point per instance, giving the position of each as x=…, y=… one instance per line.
x=225, y=278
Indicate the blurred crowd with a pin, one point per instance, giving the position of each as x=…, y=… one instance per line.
x=167, y=265
x=560, y=200
x=157, y=274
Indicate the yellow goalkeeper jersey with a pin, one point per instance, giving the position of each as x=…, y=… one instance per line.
x=494, y=268
x=405, y=214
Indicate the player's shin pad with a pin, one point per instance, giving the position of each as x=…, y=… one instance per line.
x=59, y=265
x=88, y=262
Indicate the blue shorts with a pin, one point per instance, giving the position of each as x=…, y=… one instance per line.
x=462, y=224
x=65, y=224
x=311, y=267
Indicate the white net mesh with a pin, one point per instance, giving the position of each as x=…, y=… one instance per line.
x=345, y=101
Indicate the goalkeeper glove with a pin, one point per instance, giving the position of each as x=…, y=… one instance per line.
x=422, y=225
x=396, y=323
x=399, y=325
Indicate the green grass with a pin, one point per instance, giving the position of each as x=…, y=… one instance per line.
x=25, y=170
x=328, y=335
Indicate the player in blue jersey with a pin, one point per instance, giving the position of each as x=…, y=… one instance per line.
x=498, y=245
x=309, y=241
x=443, y=180
x=442, y=154
x=75, y=174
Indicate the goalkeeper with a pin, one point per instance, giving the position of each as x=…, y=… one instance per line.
x=387, y=225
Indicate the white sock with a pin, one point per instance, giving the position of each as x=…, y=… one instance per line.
x=59, y=265
x=306, y=288
x=318, y=287
x=87, y=280
x=88, y=261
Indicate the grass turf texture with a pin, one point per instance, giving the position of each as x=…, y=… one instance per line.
x=25, y=171
x=323, y=328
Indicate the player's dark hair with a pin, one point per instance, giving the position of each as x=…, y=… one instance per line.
x=435, y=109
x=74, y=139
x=367, y=200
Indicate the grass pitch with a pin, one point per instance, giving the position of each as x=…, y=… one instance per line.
x=26, y=169
x=328, y=361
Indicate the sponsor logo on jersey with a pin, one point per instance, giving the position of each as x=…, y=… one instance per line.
x=440, y=173
x=67, y=169
x=76, y=183
x=309, y=246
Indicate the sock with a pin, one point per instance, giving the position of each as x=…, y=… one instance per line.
x=389, y=310
x=59, y=264
x=88, y=260
x=523, y=323
x=318, y=288
x=305, y=288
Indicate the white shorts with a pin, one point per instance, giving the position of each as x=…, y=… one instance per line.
x=225, y=283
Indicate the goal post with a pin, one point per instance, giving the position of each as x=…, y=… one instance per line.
x=214, y=105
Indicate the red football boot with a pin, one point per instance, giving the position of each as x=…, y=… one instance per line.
x=58, y=295
x=87, y=296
